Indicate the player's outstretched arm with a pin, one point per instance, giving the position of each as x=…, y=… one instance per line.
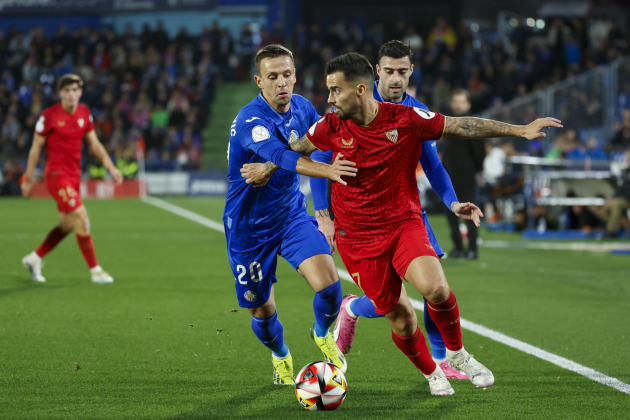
x=101, y=154
x=259, y=173
x=303, y=146
x=33, y=157
x=480, y=128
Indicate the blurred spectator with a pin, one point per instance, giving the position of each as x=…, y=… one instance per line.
x=620, y=203
x=136, y=86
x=580, y=217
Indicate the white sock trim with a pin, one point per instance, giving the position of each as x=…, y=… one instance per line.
x=435, y=372
x=352, y=314
x=96, y=269
x=37, y=257
x=438, y=361
x=451, y=354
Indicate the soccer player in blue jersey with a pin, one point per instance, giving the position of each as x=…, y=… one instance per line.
x=394, y=69
x=262, y=223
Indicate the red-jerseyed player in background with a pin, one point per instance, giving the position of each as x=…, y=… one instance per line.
x=62, y=128
x=378, y=219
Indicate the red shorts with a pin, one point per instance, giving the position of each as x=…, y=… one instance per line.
x=66, y=191
x=379, y=266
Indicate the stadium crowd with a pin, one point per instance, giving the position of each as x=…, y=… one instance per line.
x=146, y=86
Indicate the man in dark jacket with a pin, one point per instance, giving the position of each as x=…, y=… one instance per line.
x=462, y=159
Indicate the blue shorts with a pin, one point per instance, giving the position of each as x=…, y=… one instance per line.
x=434, y=243
x=254, y=260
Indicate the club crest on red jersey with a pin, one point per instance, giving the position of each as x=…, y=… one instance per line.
x=392, y=136
x=81, y=121
x=61, y=123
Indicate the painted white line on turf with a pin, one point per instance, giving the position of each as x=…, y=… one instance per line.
x=559, y=246
x=418, y=305
x=524, y=347
x=184, y=213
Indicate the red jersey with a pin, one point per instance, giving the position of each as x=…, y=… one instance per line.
x=384, y=193
x=64, y=137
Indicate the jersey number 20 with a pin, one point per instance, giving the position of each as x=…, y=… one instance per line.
x=255, y=272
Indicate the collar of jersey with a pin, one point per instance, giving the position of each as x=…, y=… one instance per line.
x=379, y=97
x=275, y=115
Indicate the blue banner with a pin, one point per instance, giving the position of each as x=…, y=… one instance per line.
x=92, y=6
x=208, y=183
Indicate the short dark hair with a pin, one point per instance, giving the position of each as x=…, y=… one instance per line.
x=394, y=49
x=461, y=92
x=69, y=79
x=271, y=51
x=354, y=66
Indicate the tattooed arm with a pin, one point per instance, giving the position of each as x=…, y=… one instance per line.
x=303, y=146
x=479, y=128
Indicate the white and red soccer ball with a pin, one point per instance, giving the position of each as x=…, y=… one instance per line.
x=320, y=386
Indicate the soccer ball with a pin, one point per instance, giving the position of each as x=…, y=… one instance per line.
x=320, y=386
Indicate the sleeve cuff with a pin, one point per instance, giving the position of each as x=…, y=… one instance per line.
x=289, y=160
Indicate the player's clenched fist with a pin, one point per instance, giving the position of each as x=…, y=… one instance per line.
x=256, y=173
x=341, y=168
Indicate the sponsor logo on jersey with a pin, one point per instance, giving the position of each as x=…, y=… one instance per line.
x=260, y=133
x=81, y=121
x=429, y=246
x=61, y=123
x=250, y=296
x=294, y=136
x=347, y=143
x=427, y=115
x=392, y=136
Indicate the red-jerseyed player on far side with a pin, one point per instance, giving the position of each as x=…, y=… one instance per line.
x=378, y=219
x=62, y=128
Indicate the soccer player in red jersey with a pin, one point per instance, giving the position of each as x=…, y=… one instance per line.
x=62, y=128
x=379, y=229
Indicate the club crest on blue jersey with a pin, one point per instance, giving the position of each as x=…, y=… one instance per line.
x=294, y=136
x=250, y=296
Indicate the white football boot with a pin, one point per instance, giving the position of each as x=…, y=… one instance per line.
x=100, y=276
x=34, y=264
x=478, y=374
x=438, y=383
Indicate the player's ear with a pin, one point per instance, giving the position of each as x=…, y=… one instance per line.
x=411, y=70
x=378, y=69
x=361, y=88
x=258, y=80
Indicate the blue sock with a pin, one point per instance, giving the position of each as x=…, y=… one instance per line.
x=326, y=305
x=438, y=349
x=271, y=333
x=362, y=306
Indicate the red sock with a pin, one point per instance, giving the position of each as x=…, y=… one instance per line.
x=415, y=348
x=54, y=237
x=87, y=249
x=446, y=317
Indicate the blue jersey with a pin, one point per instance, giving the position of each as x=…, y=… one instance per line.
x=260, y=134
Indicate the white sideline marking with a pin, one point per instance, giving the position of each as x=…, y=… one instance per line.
x=418, y=305
x=184, y=213
x=561, y=246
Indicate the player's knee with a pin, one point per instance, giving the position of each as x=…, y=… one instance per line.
x=82, y=225
x=66, y=226
x=438, y=292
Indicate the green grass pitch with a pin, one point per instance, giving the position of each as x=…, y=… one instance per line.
x=162, y=342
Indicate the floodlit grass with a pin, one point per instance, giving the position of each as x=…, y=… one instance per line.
x=162, y=341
